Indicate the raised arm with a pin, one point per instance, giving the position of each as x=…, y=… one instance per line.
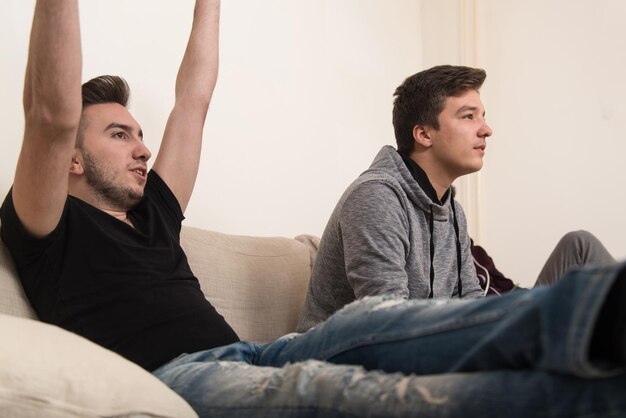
x=179, y=154
x=52, y=108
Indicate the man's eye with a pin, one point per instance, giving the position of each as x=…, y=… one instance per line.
x=469, y=116
x=120, y=135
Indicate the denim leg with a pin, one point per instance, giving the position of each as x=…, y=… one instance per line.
x=538, y=332
x=232, y=389
x=544, y=329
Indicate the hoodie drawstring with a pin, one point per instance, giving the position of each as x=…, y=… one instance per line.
x=458, y=249
x=432, y=251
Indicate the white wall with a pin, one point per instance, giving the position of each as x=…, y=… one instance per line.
x=304, y=100
x=302, y=105
x=554, y=96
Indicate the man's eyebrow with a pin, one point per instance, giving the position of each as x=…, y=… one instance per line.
x=466, y=108
x=123, y=127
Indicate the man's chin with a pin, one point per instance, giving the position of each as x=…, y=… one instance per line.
x=134, y=198
x=475, y=167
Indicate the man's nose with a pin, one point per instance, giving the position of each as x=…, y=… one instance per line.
x=142, y=152
x=485, y=130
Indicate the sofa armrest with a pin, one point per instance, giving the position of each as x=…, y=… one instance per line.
x=312, y=243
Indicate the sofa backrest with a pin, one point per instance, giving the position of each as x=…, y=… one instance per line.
x=257, y=283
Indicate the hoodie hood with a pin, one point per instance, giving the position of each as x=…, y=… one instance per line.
x=388, y=163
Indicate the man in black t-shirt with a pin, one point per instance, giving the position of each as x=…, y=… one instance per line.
x=97, y=250
x=125, y=288
x=97, y=254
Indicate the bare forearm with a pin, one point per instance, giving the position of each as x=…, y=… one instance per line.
x=198, y=71
x=53, y=74
x=179, y=154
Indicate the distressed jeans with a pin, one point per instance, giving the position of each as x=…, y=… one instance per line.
x=524, y=354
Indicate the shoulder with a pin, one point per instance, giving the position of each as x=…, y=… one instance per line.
x=371, y=205
x=373, y=194
x=15, y=235
x=159, y=193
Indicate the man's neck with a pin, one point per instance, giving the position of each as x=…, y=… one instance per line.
x=120, y=215
x=91, y=199
x=439, y=180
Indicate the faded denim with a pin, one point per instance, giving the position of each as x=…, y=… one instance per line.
x=520, y=355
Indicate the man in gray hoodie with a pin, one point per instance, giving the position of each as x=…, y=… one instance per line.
x=397, y=228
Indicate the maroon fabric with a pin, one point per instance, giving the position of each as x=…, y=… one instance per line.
x=498, y=283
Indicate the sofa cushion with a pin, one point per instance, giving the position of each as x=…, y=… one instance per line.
x=12, y=298
x=257, y=283
x=49, y=372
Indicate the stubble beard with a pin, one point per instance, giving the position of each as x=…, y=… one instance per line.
x=115, y=195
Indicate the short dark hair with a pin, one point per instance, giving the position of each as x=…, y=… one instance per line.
x=102, y=89
x=420, y=98
x=105, y=89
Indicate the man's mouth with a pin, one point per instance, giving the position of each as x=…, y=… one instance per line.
x=141, y=171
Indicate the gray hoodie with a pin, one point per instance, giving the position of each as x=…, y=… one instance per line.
x=378, y=241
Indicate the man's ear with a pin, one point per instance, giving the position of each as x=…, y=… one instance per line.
x=76, y=167
x=421, y=136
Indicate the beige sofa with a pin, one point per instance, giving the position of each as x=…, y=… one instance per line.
x=258, y=284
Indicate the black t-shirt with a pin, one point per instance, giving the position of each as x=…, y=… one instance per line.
x=128, y=289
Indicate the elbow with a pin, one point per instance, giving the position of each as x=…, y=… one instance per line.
x=196, y=92
x=53, y=109
x=193, y=103
x=53, y=117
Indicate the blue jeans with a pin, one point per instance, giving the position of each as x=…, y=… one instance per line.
x=524, y=354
